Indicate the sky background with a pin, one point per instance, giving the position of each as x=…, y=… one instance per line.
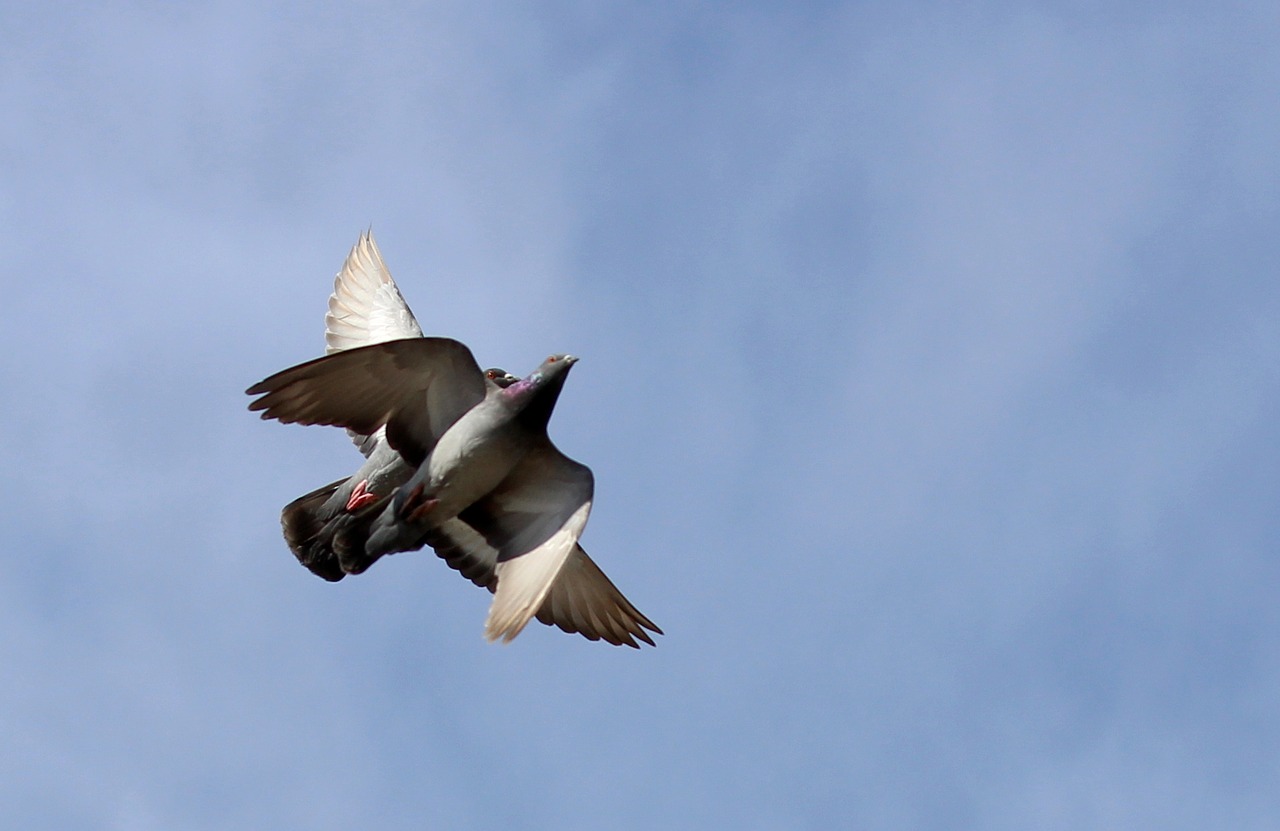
x=930, y=376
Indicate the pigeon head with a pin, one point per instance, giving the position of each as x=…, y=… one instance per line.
x=555, y=366
x=500, y=377
x=536, y=393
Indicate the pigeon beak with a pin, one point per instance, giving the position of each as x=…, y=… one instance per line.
x=570, y=359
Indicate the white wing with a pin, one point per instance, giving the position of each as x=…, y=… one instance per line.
x=581, y=599
x=524, y=582
x=366, y=306
x=533, y=519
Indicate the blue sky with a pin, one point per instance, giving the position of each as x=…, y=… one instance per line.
x=930, y=376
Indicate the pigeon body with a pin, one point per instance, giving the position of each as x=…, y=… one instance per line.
x=487, y=454
x=313, y=523
x=472, y=458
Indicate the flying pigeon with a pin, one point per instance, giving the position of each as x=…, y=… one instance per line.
x=366, y=307
x=482, y=483
x=313, y=522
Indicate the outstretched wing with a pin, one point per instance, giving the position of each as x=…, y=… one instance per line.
x=416, y=388
x=532, y=522
x=533, y=519
x=582, y=600
x=366, y=306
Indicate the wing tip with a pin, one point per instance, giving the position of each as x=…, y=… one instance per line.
x=505, y=632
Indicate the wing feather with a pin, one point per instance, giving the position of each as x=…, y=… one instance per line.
x=366, y=306
x=465, y=551
x=581, y=600
x=582, y=584
x=416, y=388
x=525, y=580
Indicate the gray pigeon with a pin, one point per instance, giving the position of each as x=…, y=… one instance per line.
x=490, y=493
x=316, y=524
x=366, y=307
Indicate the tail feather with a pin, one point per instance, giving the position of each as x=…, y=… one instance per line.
x=348, y=538
x=306, y=522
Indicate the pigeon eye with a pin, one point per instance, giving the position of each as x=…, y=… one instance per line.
x=552, y=359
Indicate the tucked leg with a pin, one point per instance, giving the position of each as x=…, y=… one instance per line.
x=361, y=496
x=415, y=507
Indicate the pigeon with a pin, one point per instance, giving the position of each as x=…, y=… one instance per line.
x=366, y=307
x=457, y=459
x=314, y=524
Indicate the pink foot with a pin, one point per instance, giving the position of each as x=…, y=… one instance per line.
x=422, y=510
x=415, y=507
x=360, y=496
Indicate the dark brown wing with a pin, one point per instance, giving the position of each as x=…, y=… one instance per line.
x=415, y=387
x=584, y=600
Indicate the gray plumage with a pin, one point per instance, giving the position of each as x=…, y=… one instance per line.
x=366, y=307
x=456, y=459
x=317, y=526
